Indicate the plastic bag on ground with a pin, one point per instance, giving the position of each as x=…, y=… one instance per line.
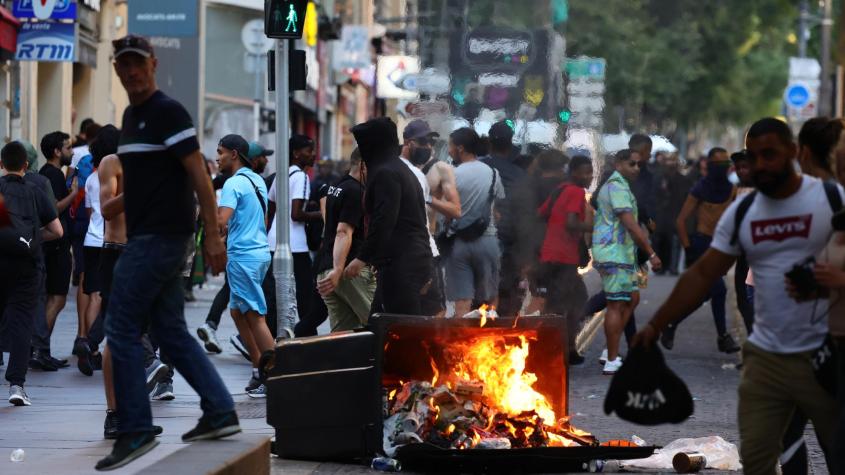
x=721, y=455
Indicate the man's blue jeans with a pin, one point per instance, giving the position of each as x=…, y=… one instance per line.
x=148, y=292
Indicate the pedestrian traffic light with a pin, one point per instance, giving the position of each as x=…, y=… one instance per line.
x=564, y=115
x=284, y=19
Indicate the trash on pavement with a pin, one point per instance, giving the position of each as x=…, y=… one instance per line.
x=720, y=455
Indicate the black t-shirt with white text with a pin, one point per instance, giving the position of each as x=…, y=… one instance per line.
x=343, y=205
x=158, y=195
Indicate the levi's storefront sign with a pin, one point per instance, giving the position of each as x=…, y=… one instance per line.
x=47, y=42
x=45, y=9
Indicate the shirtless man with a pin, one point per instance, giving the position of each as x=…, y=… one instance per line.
x=114, y=240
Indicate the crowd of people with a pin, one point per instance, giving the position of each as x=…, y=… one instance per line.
x=127, y=214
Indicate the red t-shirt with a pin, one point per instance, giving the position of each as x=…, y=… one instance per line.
x=561, y=246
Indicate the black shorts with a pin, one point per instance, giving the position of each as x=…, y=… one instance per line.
x=58, y=264
x=108, y=259
x=92, y=283
x=560, y=284
x=432, y=300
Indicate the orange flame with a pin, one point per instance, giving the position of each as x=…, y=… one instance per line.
x=483, y=311
x=508, y=387
x=391, y=395
x=436, y=372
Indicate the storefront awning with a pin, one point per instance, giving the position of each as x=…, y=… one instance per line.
x=8, y=34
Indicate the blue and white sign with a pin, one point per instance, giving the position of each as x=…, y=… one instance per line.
x=797, y=95
x=47, y=42
x=45, y=9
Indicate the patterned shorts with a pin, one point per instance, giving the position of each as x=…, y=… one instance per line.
x=619, y=281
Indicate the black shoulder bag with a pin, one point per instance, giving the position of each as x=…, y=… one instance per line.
x=477, y=228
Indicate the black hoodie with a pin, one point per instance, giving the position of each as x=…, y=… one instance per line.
x=393, y=200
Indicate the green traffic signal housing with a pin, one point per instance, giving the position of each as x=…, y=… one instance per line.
x=284, y=19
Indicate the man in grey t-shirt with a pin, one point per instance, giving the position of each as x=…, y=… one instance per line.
x=472, y=268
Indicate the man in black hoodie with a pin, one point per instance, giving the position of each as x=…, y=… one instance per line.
x=397, y=238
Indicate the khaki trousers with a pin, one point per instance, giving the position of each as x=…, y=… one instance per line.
x=771, y=387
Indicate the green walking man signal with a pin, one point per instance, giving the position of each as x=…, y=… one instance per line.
x=284, y=19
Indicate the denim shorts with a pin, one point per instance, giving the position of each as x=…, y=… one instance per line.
x=245, y=279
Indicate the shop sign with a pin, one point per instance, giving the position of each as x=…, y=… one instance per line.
x=47, y=42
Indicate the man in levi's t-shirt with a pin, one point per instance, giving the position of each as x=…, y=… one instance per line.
x=788, y=222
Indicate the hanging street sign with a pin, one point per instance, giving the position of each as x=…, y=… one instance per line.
x=45, y=9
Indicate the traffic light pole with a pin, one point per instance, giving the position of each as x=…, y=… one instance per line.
x=286, y=310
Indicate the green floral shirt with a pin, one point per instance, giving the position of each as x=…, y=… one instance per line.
x=612, y=243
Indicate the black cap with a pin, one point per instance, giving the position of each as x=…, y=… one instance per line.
x=238, y=144
x=645, y=391
x=133, y=44
x=298, y=141
x=501, y=131
x=418, y=129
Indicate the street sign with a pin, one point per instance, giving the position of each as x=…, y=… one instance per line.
x=45, y=9
x=499, y=49
x=47, y=42
x=253, y=38
x=354, y=48
x=797, y=95
x=284, y=19
x=430, y=81
x=391, y=71
x=585, y=67
x=167, y=18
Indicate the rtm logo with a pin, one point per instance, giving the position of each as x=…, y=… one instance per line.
x=36, y=52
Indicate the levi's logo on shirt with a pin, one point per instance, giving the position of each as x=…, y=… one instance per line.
x=781, y=229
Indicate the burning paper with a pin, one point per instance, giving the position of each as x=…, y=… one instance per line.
x=481, y=397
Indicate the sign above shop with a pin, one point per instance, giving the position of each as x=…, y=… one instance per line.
x=45, y=9
x=54, y=42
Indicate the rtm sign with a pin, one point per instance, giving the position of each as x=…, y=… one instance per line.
x=47, y=42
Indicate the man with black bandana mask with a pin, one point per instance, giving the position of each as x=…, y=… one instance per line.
x=416, y=153
x=397, y=242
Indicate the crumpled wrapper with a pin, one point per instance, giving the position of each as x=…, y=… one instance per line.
x=721, y=455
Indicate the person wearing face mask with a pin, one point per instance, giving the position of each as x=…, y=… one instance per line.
x=416, y=153
x=708, y=200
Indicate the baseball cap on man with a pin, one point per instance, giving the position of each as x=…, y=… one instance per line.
x=132, y=44
x=418, y=129
x=238, y=144
x=257, y=150
x=645, y=391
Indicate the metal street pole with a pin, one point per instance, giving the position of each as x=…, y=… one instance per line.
x=826, y=89
x=256, y=105
x=803, y=29
x=286, y=311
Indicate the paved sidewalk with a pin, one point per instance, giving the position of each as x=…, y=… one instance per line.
x=62, y=432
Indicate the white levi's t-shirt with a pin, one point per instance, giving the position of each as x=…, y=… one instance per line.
x=299, y=188
x=776, y=235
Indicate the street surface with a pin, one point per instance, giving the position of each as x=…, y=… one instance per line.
x=61, y=432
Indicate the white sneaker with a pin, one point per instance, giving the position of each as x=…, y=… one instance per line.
x=18, y=397
x=258, y=393
x=611, y=367
x=603, y=357
x=209, y=338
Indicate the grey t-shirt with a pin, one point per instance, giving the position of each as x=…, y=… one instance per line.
x=473, y=182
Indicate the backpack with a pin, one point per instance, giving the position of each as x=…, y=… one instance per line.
x=18, y=239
